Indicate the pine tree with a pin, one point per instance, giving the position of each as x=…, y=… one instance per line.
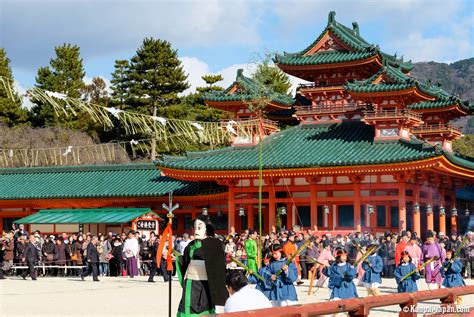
x=11, y=111
x=64, y=75
x=210, y=81
x=120, y=83
x=272, y=77
x=156, y=75
x=96, y=92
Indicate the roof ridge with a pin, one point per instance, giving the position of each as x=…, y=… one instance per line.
x=77, y=168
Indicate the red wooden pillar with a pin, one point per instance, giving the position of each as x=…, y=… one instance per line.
x=442, y=213
x=231, y=206
x=388, y=216
x=314, y=206
x=454, y=216
x=402, y=212
x=357, y=221
x=429, y=215
x=250, y=217
x=289, y=216
x=271, y=207
x=416, y=214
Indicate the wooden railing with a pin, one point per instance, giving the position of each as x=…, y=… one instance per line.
x=395, y=113
x=433, y=128
x=319, y=86
x=362, y=306
x=301, y=110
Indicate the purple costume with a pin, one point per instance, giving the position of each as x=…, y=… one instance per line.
x=432, y=274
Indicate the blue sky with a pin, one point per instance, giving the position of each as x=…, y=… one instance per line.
x=215, y=36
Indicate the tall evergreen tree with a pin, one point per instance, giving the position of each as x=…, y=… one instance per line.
x=120, y=83
x=156, y=75
x=96, y=92
x=210, y=81
x=11, y=111
x=272, y=77
x=64, y=75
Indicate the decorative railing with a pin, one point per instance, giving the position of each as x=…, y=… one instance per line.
x=436, y=128
x=394, y=113
x=362, y=306
x=319, y=109
x=319, y=85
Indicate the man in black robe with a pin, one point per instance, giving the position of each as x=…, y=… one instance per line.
x=202, y=272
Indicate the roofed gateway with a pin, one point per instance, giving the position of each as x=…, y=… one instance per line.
x=370, y=149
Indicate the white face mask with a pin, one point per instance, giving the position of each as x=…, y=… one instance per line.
x=199, y=229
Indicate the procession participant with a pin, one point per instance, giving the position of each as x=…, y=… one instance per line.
x=251, y=250
x=283, y=292
x=414, y=250
x=432, y=249
x=324, y=257
x=401, y=247
x=30, y=257
x=359, y=269
x=204, y=268
x=243, y=296
x=451, y=272
x=408, y=285
x=92, y=259
x=341, y=275
x=131, y=249
x=290, y=248
x=373, y=267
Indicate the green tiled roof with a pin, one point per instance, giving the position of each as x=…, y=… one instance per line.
x=247, y=87
x=441, y=104
x=350, y=37
x=343, y=144
x=96, y=215
x=323, y=58
x=397, y=81
x=127, y=180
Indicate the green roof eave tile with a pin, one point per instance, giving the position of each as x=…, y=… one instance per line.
x=343, y=144
x=367, y=88
x=123, y=180
x=322, y=58
x=460, y=160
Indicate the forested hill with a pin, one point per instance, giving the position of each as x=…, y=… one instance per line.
x=457, y=77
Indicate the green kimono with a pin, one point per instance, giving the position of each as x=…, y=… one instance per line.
x=251, y=250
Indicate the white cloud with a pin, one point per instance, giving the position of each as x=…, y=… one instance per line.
x=195, y=68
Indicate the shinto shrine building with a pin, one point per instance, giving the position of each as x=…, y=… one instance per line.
x=369, y=147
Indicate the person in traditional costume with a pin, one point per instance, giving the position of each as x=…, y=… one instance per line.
x=325, y=257
x=373, y=267
x=451, y=272
x=341, y=275
x=414, y=250
x=405, y=267
x=251, y=250
x=360, y=269
x=290, y=248
x=283, y=292
x=202, y=272
x=432, y=249
x=131, y=250
x=401, y=247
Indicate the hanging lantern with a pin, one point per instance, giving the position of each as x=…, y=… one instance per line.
x=467, y=212
x=219, y=213
x=326, y=209
x=241, y=211
x=283, y=210
x=442, y=211
x=204, y=211
x=370, y=209
x=454, y=212
x=417, y=208
x=429, y=209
